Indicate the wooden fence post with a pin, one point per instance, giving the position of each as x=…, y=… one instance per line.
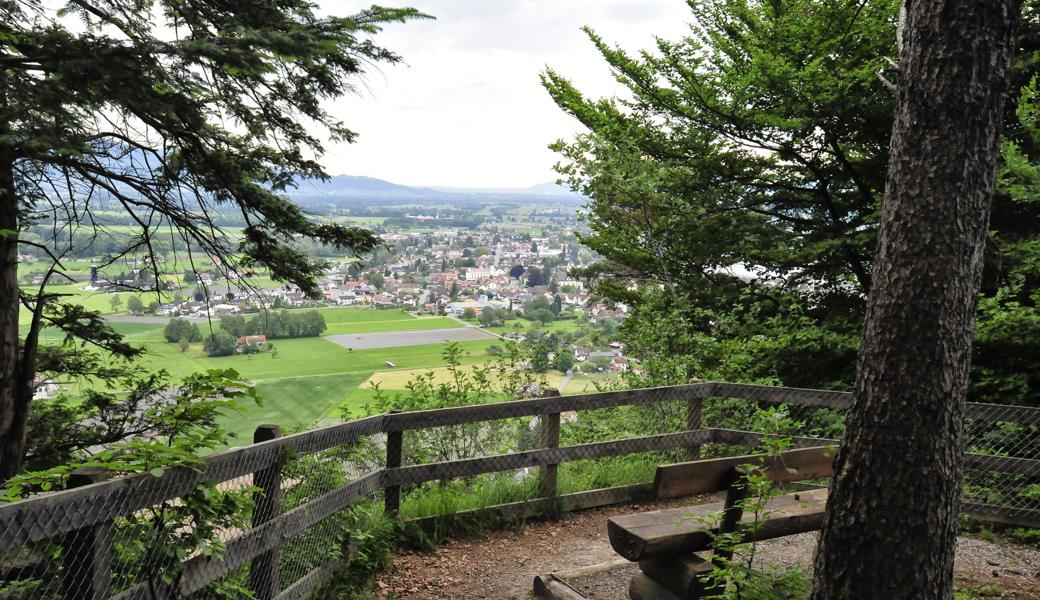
x=263, y=572
x=394, y=459
x=87, y=552
x=693, y=422
x=547, y=472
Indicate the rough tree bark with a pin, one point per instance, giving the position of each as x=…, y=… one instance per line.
x=891, y=523
x=13, y=402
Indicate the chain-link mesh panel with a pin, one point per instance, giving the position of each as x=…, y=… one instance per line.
x=1002, y=443
x=276, y=518
x=253, y=519
x=1002, y=471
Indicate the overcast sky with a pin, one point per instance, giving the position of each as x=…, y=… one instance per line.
x=467, y=109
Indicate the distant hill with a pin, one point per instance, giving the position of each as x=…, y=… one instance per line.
x=550, y=188
x=352, y=189
x=352, y=185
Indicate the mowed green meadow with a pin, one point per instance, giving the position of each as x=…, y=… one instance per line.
x=308, y=380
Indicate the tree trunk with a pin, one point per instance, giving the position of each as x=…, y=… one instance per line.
x=891, y=523
x=14, y=408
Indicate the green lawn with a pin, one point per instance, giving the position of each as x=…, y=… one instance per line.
x=294, y=404
x=351, y=314
x=305, y=357
x=74, y=293
x=560, y=326
x=582, y=383
x=308, y=381
x=140, y=333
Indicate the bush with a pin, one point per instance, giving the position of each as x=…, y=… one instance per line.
x=180, y=329
x=220, y=344
x=276, y=325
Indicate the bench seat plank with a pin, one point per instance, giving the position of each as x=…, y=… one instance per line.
x=714, y=475
x=664, y=533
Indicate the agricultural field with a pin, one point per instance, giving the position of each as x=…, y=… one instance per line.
x=396, y=381
x=343, y=320
x=307, y=381
x=520, y=325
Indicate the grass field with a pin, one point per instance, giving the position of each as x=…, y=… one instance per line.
x=294, y=404
x=397, y=379
x=74, y=293
x=351, y=314
x=309, y=380
x=304, y=357
x=522, y=325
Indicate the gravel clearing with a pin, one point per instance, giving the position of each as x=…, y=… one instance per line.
x=390, y=339
x=502, y=565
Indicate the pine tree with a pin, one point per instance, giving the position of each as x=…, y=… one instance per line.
x=891, y=524
x=173, y=113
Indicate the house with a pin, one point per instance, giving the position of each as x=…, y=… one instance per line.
x=247, y=340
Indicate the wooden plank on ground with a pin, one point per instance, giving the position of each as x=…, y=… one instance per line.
x=645, y=588
x=664, y=533
x=552, y=587
x=713, y=475
x=684, y=575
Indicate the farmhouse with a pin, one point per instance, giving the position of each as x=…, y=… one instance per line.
x=246, y=340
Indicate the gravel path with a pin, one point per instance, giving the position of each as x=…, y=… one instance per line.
x=502, y=566
x=361, y=341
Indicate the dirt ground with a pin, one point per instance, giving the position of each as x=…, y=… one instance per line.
x=502, y=565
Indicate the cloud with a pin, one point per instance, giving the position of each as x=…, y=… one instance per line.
x=467, y=109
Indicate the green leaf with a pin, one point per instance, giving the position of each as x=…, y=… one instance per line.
x=157, y=472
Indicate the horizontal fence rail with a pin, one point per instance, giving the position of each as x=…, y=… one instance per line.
x=1000, y=463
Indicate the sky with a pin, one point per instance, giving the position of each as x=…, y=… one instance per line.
x=466, y=109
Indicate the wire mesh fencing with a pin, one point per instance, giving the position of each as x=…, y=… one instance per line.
x=276, y=519
x=1002, y=445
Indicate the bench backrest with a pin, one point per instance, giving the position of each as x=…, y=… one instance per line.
x=716, y=474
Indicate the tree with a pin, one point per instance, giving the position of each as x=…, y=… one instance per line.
x=220, y=343
x=492, y=317
x=894, y=498
x=469, y=314
x=375, y=279
x=516, y=271
x=564, y=360
x=535, y=277
x=180, y=329
x=134, y=305
x=734, y=196
x=115, y=301
x=236, y=325
x=540, y=358
x=176, y=114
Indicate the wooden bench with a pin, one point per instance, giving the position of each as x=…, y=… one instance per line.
x=664, y=542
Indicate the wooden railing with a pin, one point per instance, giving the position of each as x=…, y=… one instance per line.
x=88, y=511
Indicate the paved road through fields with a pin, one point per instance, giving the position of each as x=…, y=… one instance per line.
x=389, y=339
